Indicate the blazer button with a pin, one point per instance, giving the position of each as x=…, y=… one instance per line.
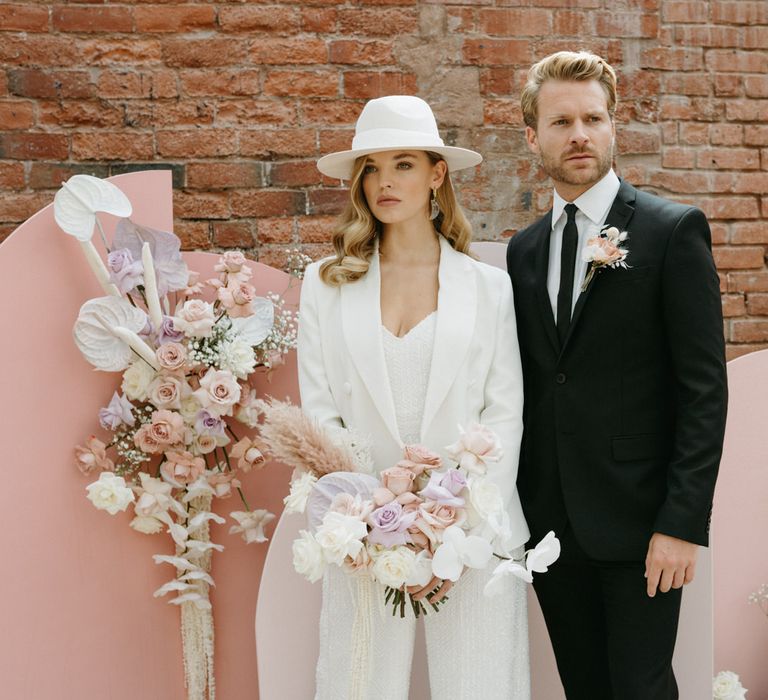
x=561, y=378
x=347, y=388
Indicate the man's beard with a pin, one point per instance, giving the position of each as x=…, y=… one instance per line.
x=557, y=170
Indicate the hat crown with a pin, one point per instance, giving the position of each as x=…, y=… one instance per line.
x=396, y=121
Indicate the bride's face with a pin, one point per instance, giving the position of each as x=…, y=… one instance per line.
x=397, y=184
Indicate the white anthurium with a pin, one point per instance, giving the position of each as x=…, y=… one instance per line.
x=80, y=198
x=459, y=550
x=544, y=554
x=255, y=328
x=98, y=341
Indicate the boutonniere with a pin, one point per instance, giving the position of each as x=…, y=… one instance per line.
x=605, y=250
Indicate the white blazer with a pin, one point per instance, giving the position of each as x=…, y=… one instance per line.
x=475, y=374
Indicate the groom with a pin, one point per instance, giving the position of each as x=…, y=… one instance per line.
x=625, y=392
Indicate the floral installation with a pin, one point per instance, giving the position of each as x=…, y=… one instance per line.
x=186, y=350
x=727, y=686
x=605, y=250
x=414, y=523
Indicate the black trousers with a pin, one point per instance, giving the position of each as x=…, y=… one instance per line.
x=611, y=641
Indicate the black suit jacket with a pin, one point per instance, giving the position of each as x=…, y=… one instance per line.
x=624, y=424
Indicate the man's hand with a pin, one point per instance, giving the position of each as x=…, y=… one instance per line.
x=670, y=563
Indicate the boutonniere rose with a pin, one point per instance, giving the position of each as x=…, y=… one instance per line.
x=605, y=250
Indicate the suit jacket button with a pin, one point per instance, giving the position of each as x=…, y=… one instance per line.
x=561, y=378
x=347, y=388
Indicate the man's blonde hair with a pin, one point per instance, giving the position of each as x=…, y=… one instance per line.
x=566, y=65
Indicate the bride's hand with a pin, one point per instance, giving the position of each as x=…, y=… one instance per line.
x=419, y=592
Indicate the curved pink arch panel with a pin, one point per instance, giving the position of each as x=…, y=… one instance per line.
x=79, y=619
x=740, y=526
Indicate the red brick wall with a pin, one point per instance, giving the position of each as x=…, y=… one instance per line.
x=240, y=98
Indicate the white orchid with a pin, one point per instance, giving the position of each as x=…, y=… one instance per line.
x=459, y=550
x=251, y=524
x=538, y=560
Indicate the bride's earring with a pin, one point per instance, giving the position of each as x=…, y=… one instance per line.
x=434, y=206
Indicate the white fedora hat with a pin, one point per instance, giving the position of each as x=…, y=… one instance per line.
x=392, y=123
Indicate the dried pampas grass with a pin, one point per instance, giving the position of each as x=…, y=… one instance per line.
x=294, y=439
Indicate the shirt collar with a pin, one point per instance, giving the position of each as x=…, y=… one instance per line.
x=594, y=203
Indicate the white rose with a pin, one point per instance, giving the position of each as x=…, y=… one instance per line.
x=296, y=500
x=340, y=537
x=485, y=498
x=308, y=559
x=727, y=686
x=393, y=567
x=109, y=493
x=421, y=573
x=238, y=357
x=190, y=407
x=146, y=524
x=136, y=380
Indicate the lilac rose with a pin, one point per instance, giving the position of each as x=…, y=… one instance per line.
x=168, y=332
x=208, y=424
x=445, y=488
x=124, y=271
x=390, y=525
x=117, y=413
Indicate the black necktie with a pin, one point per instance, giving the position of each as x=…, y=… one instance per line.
x=567, y=265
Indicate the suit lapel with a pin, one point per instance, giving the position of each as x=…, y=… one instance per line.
x=619, y=215
x=361, y=322
x=456, y=312
x=542, y=237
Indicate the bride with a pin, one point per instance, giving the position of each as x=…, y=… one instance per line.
x=402, y=337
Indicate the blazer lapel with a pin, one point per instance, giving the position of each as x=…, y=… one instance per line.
x=456, y=312
x=619, y=215
x=361, y=323
x=542, y=238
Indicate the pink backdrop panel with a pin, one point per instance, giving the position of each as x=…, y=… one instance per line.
x=740, y=526
x=79, y=619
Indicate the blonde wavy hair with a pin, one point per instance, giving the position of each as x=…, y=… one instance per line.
x=566, y=65
x=355, y=235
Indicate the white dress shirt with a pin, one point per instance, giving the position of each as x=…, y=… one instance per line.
x=593, y=207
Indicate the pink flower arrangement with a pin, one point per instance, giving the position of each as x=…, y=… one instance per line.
x=605, y=250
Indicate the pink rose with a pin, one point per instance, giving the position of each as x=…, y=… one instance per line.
x=434, y=518
x=231, y=261
x=93, y=456
x=218, y=392
x=347, y=504
x=196, y=318
x=166, y=392
x=167, y=427
x=237, y=298
x=360, y=564
x=248, y=453
x=476, y=447
x=171, y=356
x=423, y=456
x=147, y=442
x=397, y=480
x=223, y=483
x=181, y=468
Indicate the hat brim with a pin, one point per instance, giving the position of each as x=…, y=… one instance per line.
x=341, y=163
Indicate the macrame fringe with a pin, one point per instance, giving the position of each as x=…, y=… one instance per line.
x=197, y=623
x=361, y=639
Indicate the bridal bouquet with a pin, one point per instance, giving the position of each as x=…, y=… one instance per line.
x=417, y=524
x=184, y=365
